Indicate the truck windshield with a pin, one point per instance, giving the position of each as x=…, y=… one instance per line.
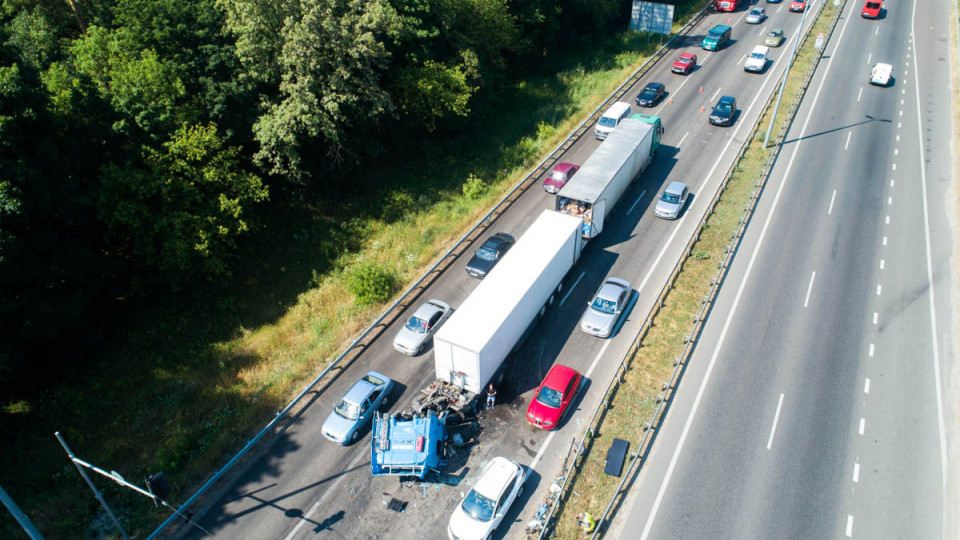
x=477, y=506
x=549, y=397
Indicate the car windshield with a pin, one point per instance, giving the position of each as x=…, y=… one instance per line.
x=774, y=34
x=486, y=254
x=649, y=92
x=756, y=55
x=683, y=60
x=604, y=306
x=416, y=324
x=559, y=176
x=712, y=35
x=723, y=108
x=477, y=506
x=873, y=5
x=756, y=11
x=550, y=397
x=347, y=410
x=606, y=121
x=670, y=198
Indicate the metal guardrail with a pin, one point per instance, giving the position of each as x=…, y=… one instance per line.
x=669, y=387
x=356, y=347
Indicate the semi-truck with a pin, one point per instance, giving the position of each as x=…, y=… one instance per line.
x=605, y=176
x=471, y=348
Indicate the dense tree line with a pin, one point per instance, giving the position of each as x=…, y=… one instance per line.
x=140, y=139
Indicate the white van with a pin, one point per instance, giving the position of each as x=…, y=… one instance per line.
x=757, y=60
x=611, y=119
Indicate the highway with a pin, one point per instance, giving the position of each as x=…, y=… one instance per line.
x=817, y=402
x=306, y=487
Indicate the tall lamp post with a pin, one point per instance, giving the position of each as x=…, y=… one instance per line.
x=783, y=83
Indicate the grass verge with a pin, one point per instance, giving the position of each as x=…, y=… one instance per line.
x=633, y=402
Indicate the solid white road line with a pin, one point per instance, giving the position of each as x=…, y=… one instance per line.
x=776, y=417
x=635, y=203
x=572, y=287
x=809, y=288
x=832, y=198
x=543, y=447
x=934, y=333
x=736, y=302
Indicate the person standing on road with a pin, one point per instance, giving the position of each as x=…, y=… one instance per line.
x=491, y=396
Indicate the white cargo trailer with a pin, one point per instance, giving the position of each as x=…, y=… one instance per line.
x=603, y=179
x=470, y=348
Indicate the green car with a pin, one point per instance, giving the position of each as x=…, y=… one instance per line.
x=774, y=38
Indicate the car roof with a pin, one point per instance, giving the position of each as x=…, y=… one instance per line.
x=688, y=55
x=558, y=376
x=610, y=290
x=761, y=49
x=675, y=187
x=565, y=167
x=720, y=28
x=497, y=240
x=358, y=392
x=777, y=31
x=727, y=99
x=617, y=109
x=654, y=85
x=428, y=308
x=758, y=9
x=495, y=477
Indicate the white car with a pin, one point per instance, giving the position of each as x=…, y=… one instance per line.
x=420, y=327
x=483, y=508
x=881, y=74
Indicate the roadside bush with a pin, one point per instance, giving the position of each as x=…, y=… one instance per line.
x=371, y=283
x=474, y=188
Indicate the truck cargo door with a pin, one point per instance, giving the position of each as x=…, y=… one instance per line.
x=599, y=213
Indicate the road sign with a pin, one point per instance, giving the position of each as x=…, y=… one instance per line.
x=819, y=43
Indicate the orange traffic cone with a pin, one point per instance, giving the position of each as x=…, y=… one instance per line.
x=701, y=89
x=701, y=108
x=670, y=102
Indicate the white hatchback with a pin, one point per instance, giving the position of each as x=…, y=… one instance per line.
x=483, y=508
x=881, y=74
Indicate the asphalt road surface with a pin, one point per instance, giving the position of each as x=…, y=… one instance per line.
x=306, y=487
x=816, y=403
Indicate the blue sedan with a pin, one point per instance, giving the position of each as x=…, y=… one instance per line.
x=351, y=413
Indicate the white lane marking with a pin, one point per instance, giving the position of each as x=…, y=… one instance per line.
x=894, y=166
x=896, y=151
x=849, y=517
x=860, y=93
x=305, y=518
x=871, y=350
x=742, y=58
x=847, y=144
x=889, y=201
x=572, y=287
x=809, y=288
x=899, y=124
x=878, y=289
x=863, y=424
x=679, y=144
x=875, y=32
x=543, y=447
x=596, y=360
x=891, y=182
x=884, y=240
x=898, y=138
x=635, y=203
x=715, y=94
x=776, y=417
x=736, y=302
x=856, y=472
x=869, y=57
x=934, y=331
x=886, y=220
x=901, y=112
x=876, y=316
x=832, y=198
x=882, y=264
x=866, y=386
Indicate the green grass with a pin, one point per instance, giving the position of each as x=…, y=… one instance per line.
x=633, y=402
x=182, y=384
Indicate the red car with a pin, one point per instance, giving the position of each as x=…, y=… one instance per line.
x=871, y=9
x=559, y=177
x=798, y=5
x=684, y=63
x=553, y=397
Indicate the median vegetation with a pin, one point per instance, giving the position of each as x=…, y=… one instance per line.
x=635, y=401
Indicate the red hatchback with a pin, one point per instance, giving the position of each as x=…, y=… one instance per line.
x=798, y=6
x=871, y=9
x=553, y=397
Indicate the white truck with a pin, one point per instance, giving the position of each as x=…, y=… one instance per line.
x=603, y=179
x=470, y=348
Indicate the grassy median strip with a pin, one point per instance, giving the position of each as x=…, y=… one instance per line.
x=635, y=400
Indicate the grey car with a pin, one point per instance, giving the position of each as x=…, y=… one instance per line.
x=672, y=200
x=608, y=305
x=356, y=408
x=756, y=15
x=489, y=254
x=420, y=327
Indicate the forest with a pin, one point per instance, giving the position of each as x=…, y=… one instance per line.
x=159, y=157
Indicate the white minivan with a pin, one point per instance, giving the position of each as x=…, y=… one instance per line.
x=611, y=119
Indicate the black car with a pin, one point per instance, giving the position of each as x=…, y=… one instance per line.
x=650, y=94
x=489, y=253
x=723, y=112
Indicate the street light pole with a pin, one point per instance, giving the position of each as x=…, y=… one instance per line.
x=96, y=493
x=18, y=515
x=783, y=83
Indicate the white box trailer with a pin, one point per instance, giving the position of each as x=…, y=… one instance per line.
x=471, y=347
x=603, y=179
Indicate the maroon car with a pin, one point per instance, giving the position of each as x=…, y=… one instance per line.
x=559, y=176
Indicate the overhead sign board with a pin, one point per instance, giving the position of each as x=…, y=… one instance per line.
x=651, y=17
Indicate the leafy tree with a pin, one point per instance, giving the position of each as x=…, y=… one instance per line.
x=433, y=91
x=181, y=210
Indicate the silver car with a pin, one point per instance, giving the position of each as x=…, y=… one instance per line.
x=356, y=408
x=756, y=15
x=672, y=200
x=604, y=311
x=420, y=327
